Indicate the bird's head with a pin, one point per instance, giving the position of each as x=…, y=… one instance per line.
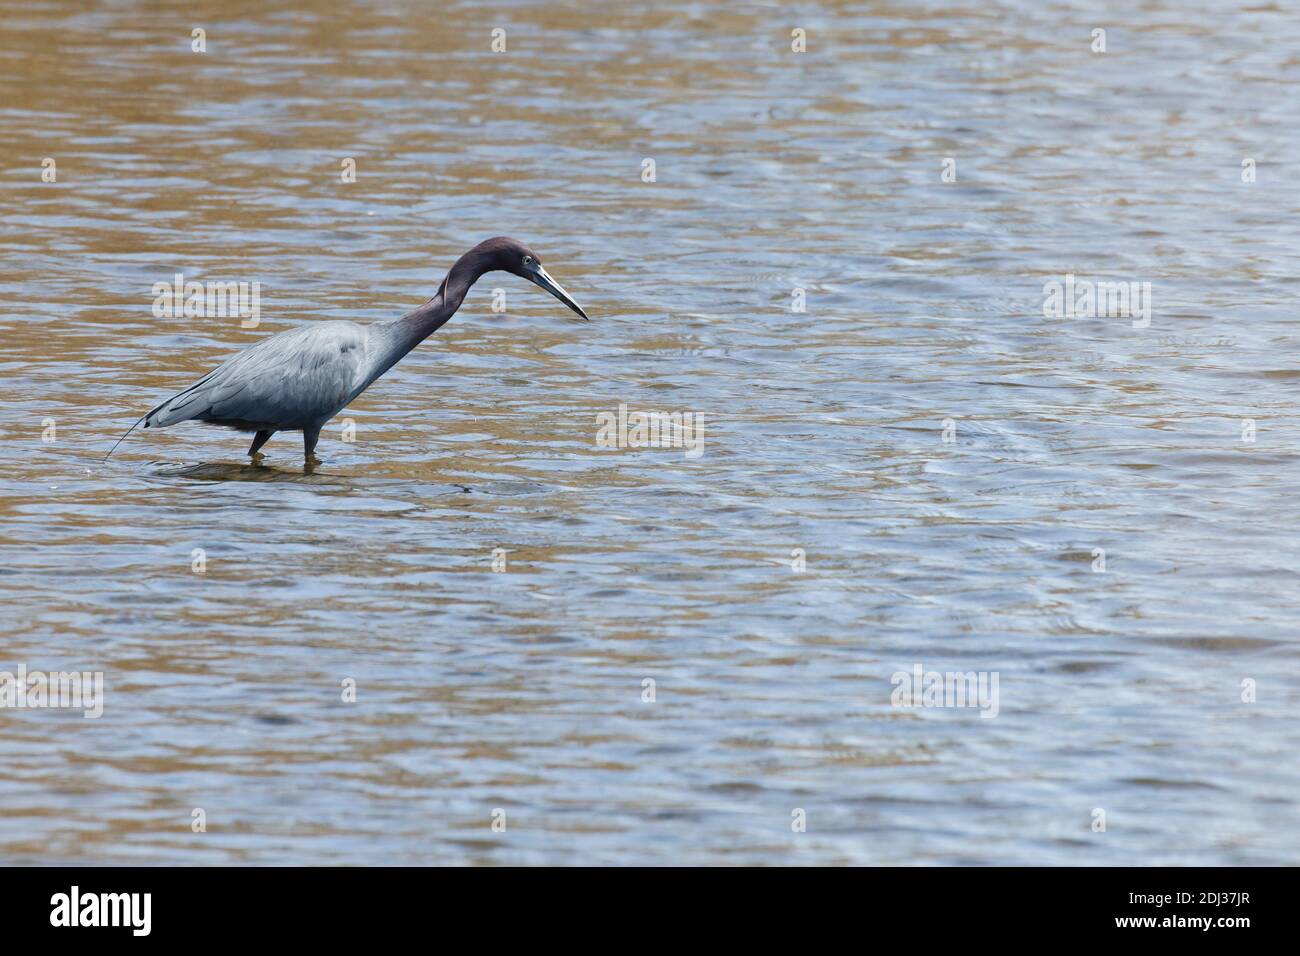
x=504, y=254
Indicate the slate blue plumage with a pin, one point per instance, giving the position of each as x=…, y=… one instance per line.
x=299, y=379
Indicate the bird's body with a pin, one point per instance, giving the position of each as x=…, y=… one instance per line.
x=291, y=381
x=299, y=379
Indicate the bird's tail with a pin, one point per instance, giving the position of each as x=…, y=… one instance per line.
x=170, y=415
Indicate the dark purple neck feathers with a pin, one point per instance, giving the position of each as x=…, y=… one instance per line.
x=467, y=270
x=418, y=324
x=389, y=341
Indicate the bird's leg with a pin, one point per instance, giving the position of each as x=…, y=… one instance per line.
x=309, y=438
x=260, y=439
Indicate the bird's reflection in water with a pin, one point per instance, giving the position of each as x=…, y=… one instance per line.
x=225, y=471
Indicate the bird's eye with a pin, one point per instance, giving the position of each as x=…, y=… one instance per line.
x=528, y=260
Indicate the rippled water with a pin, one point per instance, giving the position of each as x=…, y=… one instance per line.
x=978, y=548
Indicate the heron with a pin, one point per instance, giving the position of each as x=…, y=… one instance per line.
x=297, y=380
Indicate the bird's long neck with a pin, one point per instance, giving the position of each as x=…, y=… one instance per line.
x=401, y=335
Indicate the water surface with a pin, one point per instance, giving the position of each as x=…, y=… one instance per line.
x=522, y=690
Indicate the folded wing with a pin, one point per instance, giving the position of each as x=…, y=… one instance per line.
x=294, y=379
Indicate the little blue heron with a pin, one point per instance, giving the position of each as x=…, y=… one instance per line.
x=299, y=379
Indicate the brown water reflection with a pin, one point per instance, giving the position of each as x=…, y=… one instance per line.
x=523, y=690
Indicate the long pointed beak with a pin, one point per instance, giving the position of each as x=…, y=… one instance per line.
x=543, y=279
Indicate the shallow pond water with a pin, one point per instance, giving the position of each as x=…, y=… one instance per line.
x=920, y=468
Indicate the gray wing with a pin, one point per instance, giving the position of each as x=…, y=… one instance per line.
x=289, y=380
